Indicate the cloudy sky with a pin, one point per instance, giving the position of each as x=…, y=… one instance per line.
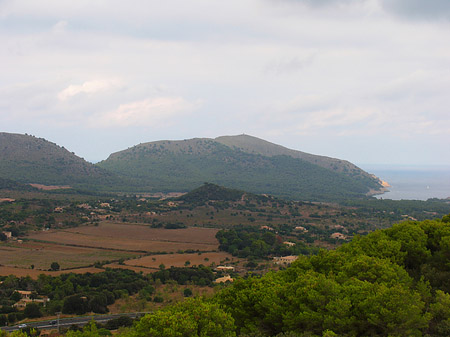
x=362, y=80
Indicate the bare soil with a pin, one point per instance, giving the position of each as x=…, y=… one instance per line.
x=130, y=237
x=179, y=260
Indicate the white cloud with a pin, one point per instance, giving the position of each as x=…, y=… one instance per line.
x=60, y=27
x=148, y=112
x=343, y=68
x=89, y=87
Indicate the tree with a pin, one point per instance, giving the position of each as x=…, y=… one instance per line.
x=54, y=266
x=75, y=304
x=193, y=317
x=187, y=292
x=98, y=304
x=16, y=296
x=90, y=330
x=32, y=310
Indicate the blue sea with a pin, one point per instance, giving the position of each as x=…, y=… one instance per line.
x=413, y=182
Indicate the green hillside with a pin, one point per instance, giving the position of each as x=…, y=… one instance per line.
x=7, y=184
x=28, y=159
x=255, y=145
x=184, y=165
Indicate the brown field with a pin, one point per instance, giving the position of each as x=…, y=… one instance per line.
x=178, y=260
x=132, y=237
x=33, y=273
x=49, y=187
x=41, y=255
x=81, y=247
x=135, y=269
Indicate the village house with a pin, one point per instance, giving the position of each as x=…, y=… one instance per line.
x=8, y=235
x=26, y=297
x=285, y=259
x=84, y=206
x=224, y=279
x=338, y=236
x=225, y=268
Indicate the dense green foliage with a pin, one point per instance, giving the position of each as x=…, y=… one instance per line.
x=250, y=242
x=82, y=293
x=396, y=209
x=8, y=184
x=208, y=192
x=201, y=275
x=193, y=318
x=392, y=282
x=71, y=293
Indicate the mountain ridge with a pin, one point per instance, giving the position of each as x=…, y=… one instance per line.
x=242, y=162
x=256, y=145
x=28, y=159
x=237, y=162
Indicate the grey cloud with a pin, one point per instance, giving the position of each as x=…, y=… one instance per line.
x=413, y=9
x=429, y=9
x=317, y=3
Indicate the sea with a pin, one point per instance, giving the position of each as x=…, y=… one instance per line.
x=413, y=182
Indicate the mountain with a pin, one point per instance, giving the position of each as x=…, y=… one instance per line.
x=240, y=162
x=28, y=159
x=255, y=145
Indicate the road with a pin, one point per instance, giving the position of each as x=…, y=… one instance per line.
x=67, y=322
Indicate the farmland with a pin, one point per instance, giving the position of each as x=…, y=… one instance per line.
x=132, y=237
x=41, y=255
x=180, y=260
x=109, y=244
x=141, y=233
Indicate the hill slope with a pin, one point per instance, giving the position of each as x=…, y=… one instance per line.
x=9, y=184
x=255, y=145
x=27, y=159
x=240, y=162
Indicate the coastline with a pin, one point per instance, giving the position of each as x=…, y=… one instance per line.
x=384, y=187
x=411, y=183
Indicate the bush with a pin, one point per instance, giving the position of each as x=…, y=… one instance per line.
x=32, y=310
x=122, y=321
x=187, y=292
x=158, y=299
x=55, y=266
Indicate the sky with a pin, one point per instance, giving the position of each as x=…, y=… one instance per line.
x=362, y=80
